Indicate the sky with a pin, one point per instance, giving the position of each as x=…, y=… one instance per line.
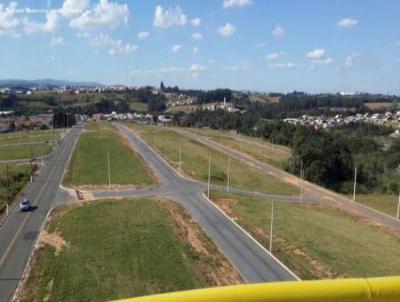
x=264, y=45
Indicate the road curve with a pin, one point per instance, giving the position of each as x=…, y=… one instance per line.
x=19, y=232
x=252, y=261
x=319, y=193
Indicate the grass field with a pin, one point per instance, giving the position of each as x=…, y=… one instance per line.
x=29, y=136
x=89, y=164
x=18, y=176
x=257, y=148
x=382, y=202
x=140, y=247
x=195, y=158
x=317, y=242
x=24, y=151
x=138, y=106
x=10, y=150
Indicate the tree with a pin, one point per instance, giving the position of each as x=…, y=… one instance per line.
x=62, y=119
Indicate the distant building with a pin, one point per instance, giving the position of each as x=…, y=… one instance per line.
x=97, y=117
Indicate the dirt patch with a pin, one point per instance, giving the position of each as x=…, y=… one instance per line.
x=291, y=180
x=367, y=221
x=212, y=263
x=225, y=205
x=52, y=239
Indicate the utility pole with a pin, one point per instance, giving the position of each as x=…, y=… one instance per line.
x=7, y=188
x=31, y=164
x=109, y=174
x=398, y=208
x=180, y=158
x=355, y=184
x=271, y=227
x=229, y=172
x=41, y=145
x=209, y=176
x=301, y=185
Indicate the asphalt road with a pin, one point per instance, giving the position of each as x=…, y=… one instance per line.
x=253, y=262
x=19, y=232
x=317, y=193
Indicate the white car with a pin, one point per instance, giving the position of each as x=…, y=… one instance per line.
x=25, y=205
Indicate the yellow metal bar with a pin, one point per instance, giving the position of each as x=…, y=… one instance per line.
x=341, y=290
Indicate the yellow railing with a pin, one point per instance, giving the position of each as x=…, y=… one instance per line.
x=342, y=290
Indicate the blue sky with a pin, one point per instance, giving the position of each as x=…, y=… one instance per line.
x=269, y=45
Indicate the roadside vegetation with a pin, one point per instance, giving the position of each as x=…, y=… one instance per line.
x=27, y=144
x=317, y=242
x=385, y=203
x=18, y=176
x=89, y=162
x=195, y=159
x=257, y=148
x=141, y=247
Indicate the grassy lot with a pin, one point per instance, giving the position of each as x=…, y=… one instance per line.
x=382, y=202
x=138, y=106
x=18, y=176
x=195, y=157
x=89, y=165
x=140, y=247
x=9, y=150
x=29, y=136
x=24, y=151
x=257, y=148
x=317, y=242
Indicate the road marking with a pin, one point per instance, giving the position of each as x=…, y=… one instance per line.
x=10, y=246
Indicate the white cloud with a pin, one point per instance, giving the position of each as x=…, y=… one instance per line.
x=211, y=61
x=196, y=69
x=273, y=56
x=326, y=61
x=260, y=45
x=115, y=47
x=316, y=53
x=347, y=23
x=239, y=67
x=352, y=59
x=197, y=36
x=235, y=3
x=143, y=35
x=170, y=17
x=195, y=50
x=72, y=8
x=120, y=48
x=195, y=22
x=103, y=15
x=51, y=24
x=176, y=48
x=57, y=41
x=8, y=21
x=226, y=30
x=282, y=66
x=278, y=31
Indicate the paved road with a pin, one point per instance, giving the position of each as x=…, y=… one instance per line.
x=318, y=193
x=250, y=259
x=19, y=232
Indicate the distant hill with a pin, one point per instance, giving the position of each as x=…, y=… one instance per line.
x=50, y=83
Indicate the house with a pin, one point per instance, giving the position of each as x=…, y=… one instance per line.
x=97, y=117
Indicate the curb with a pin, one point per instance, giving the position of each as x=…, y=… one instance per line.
x=28, y=263
x=251, y=237
x=309, y=184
